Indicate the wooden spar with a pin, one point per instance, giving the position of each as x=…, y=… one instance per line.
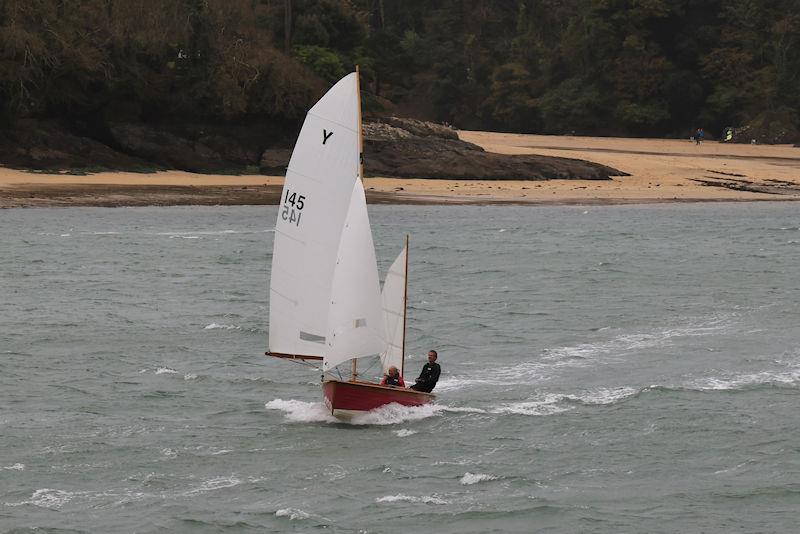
x=405, y=310
x=293, y=356
x=354, y=376
x=360, y=128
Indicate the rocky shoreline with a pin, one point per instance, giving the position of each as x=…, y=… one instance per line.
x=393, y=147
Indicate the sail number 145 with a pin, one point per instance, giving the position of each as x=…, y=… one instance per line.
x=292, y=207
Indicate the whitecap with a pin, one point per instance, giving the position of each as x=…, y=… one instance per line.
x=165, y=370
x=546, y=406
x=787, y=378
x=390, y=414
x=426, y=499
x=462, y=409
x=473, y=478
x=214, y=484
x=216, y=326
x=404, y=432
x=452, y=383
x=302, y=412
x=189, y=376
x=46, y=498
x=632, y=342
x=202, y=232
x=169, y=453
x=292, y=513
x=604, y=395
x=394, y=413
x=15, y=467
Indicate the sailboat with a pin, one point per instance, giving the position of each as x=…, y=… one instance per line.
x=326, y=301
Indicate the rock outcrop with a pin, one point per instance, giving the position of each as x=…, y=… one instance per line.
x=49, y=146
x=776, y=127
x=393, y=147
x=408, y=148
x=191, y=147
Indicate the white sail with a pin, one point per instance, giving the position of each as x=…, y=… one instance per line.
x=355, y=320
x=393, y=297
x=311, y=213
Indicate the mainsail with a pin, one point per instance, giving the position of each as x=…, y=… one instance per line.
x=355, y=319
x=393, y=298
x=311, y=214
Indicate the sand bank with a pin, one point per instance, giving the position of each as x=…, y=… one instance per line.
x=660, y=171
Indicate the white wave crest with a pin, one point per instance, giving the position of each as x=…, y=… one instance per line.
x=214, y=484
x=786, y=378
x=302, y=412
x=15, y=467
x=165, y=370
x=462, y=409
x=452, y=383
x=394, y=413
x=190, y=376
x=553, y=403
x=546, y=407
x=635, y=342
x=292, y=513
x=52, y=499
x=473, y=478
x=404, y=432
x=391, y=414
x=202, y=232
x=217, y=326
x=604, y=395
x=426, y=499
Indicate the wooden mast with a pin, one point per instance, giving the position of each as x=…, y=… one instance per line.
x=354, y=376
x=405, y=311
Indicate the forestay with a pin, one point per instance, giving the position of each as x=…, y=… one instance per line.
x=355, y=322
x=311, y=213
x=393, y=298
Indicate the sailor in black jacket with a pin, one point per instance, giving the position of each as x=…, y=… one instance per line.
x=429, y=375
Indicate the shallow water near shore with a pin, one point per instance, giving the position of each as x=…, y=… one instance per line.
x=605, y=369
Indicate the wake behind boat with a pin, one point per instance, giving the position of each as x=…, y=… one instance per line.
x=326, y=301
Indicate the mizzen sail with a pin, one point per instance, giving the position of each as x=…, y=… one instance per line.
x=393, y=298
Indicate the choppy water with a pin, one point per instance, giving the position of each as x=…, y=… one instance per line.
x=606, y=369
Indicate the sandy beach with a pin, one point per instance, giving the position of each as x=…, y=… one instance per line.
x=660, y=171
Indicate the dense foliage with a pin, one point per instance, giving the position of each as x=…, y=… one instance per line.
x=629, y=67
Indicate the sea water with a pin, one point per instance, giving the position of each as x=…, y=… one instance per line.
x=605, y=369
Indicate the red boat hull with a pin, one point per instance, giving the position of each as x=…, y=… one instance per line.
x=345, y=399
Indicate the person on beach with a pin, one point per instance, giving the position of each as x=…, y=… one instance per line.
x=699, y=135
x=429, y=375
x=393, y=378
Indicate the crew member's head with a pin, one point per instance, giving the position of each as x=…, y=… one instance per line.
x=432, y=355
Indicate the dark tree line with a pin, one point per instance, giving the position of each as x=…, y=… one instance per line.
x=625, y=67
